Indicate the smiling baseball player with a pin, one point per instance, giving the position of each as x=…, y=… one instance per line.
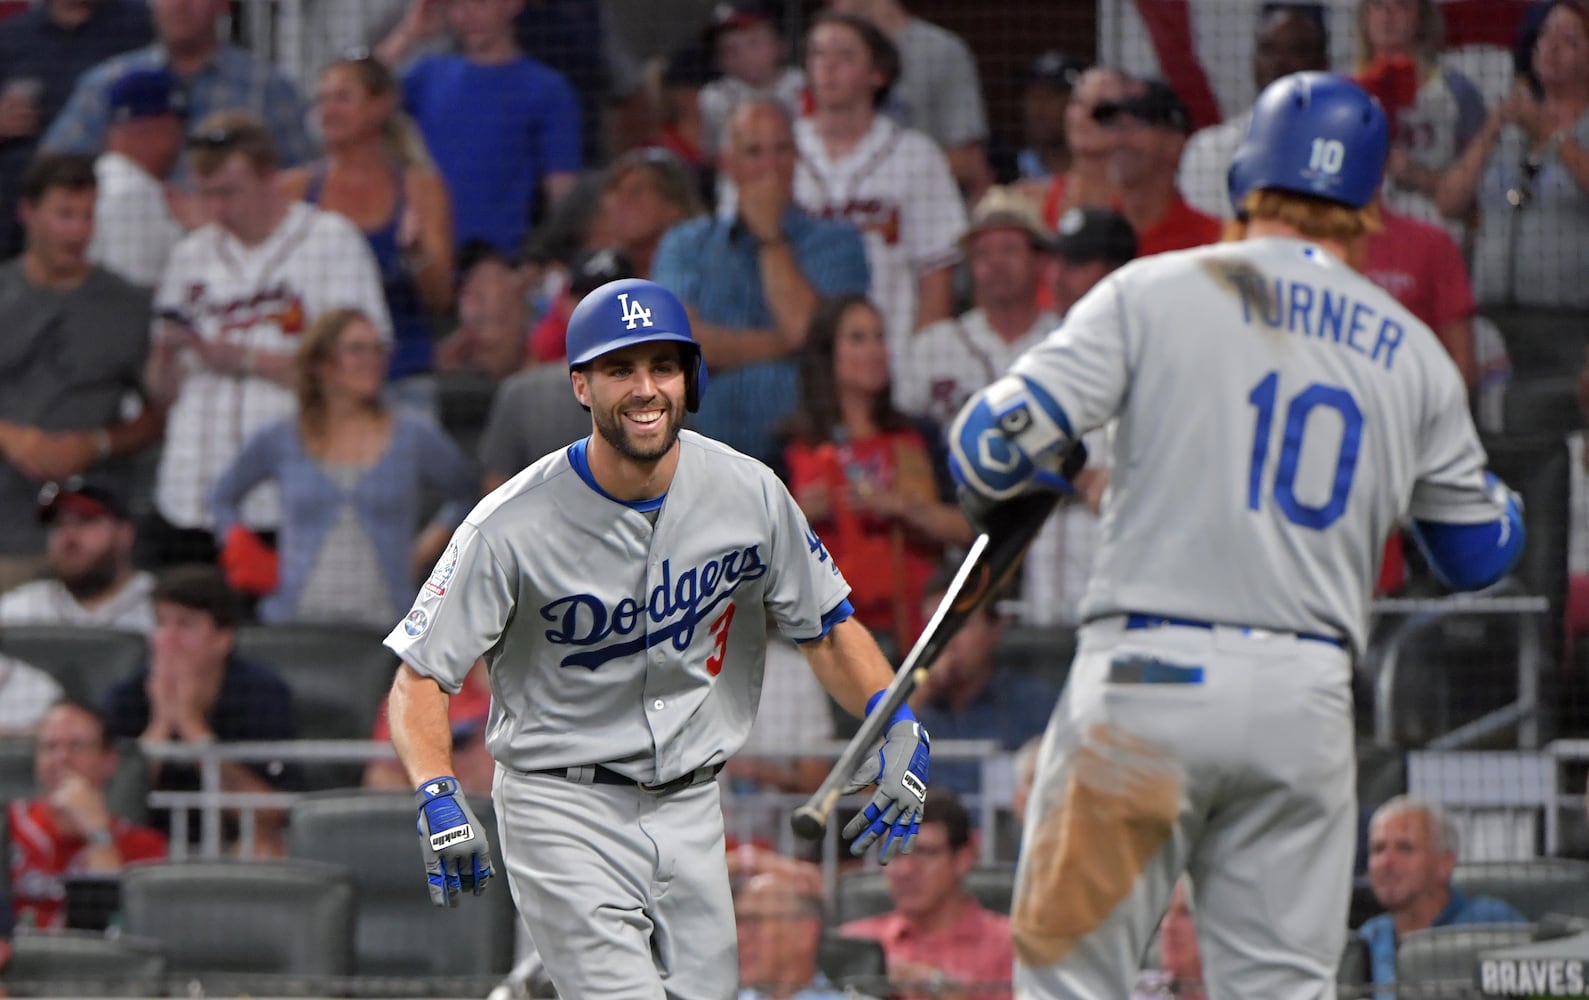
x=621, y=591
x=1279, y=415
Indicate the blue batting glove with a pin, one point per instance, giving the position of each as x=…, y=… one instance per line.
x=900, y=771
x=457, y=854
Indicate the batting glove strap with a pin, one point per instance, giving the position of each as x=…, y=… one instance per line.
x=901, y=714
x=894, y=813
x=454, y=845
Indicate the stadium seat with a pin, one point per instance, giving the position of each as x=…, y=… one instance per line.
x=463, y=403
x=86, y=662
x=271, y=928
x=397, y=931
x=338, y=675
x=1538, y=887
x=16, y=768
x=865, y=894
x=1541, y=405
x=1355, y=968
x=1440, y=961
x=857, y=963
x=77, y=963
x=1039, y=651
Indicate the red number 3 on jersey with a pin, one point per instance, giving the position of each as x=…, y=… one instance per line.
x=720, y=624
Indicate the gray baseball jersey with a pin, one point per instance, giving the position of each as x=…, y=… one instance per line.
x=628, y=635
x=1319, y=413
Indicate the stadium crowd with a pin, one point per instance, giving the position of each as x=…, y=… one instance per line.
x=266, y=341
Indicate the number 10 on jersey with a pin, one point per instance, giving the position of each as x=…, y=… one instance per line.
x=1265, y=399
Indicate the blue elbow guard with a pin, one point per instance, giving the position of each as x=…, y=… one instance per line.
x=1473, y=556
x=1009, y=436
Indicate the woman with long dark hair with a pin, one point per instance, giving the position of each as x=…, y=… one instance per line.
x=862, y=471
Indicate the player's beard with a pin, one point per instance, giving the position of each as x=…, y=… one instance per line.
x=613, y=431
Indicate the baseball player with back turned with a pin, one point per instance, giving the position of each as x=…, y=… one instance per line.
x=1279, y=415
x=621, y=591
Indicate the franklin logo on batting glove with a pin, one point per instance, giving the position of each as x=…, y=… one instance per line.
x=457, y=855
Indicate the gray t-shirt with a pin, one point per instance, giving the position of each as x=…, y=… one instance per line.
x=612, y=640
x=1279, y=415
x=68, y=362
x=938, y=91
x=533, y=414
x=1537, y=255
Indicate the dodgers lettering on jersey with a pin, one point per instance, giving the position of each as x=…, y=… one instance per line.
x=1283, y=409
x=675, y=608
x=614, y=640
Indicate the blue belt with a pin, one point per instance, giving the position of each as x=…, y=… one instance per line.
x=1140, y=621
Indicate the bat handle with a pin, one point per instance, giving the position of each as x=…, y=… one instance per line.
x=811, y=819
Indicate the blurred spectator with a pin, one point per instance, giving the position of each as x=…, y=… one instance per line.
x=1044, y=101
x=1090, y=243
x=236, y=297
x=1151, y=125
x=73, y=358
x=746, y=861
x=467, y=714
x=938, y=91
x=648, y=191
x=67, y=829
x=504, y=129
x=752, y=276
x=970, y=695
x=92, y=581
x=1443, y=110
x=862, y=473
x=1527, y=173
x=1088, y=183
x=589, y=271
x=893, y=183
x=580, y=40
x=136, y=219
x=679, y=82
x=216, y=76
x=1422, y=267
x=1007, y=250
x=1292, y=38
x=1180, y=971
x=750, y=52
x=779, y=923
x=26, y=694
x=493, y=318
x=43, y=50
x=939, y=940
x=352, y=475
x=378, y=174
x=1412, y=851
x=533, y=414
x=197, y=690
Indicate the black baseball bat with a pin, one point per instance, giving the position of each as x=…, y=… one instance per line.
x=993, y=556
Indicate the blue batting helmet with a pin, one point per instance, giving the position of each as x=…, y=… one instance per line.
x=634, y=311
x=1316, y=134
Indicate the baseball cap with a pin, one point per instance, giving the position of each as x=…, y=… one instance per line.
x=1088, y=234
x=1156, y=104
x=147, y=93
x=89, y=500
x=733, y=15
x=1002, y=208
x=1057, y=69
x=593, y=268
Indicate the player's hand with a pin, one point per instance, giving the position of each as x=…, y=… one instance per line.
x=899, y=769
x=457, y=854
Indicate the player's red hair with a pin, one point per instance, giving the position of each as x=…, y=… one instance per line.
x=1312, y=218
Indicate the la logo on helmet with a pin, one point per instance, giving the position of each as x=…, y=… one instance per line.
x=633, y=312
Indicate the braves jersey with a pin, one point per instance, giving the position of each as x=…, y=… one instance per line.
x=1283, y=411
x=628, y=635
x=262, y=298
x=896, y=188
x=949, y=361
